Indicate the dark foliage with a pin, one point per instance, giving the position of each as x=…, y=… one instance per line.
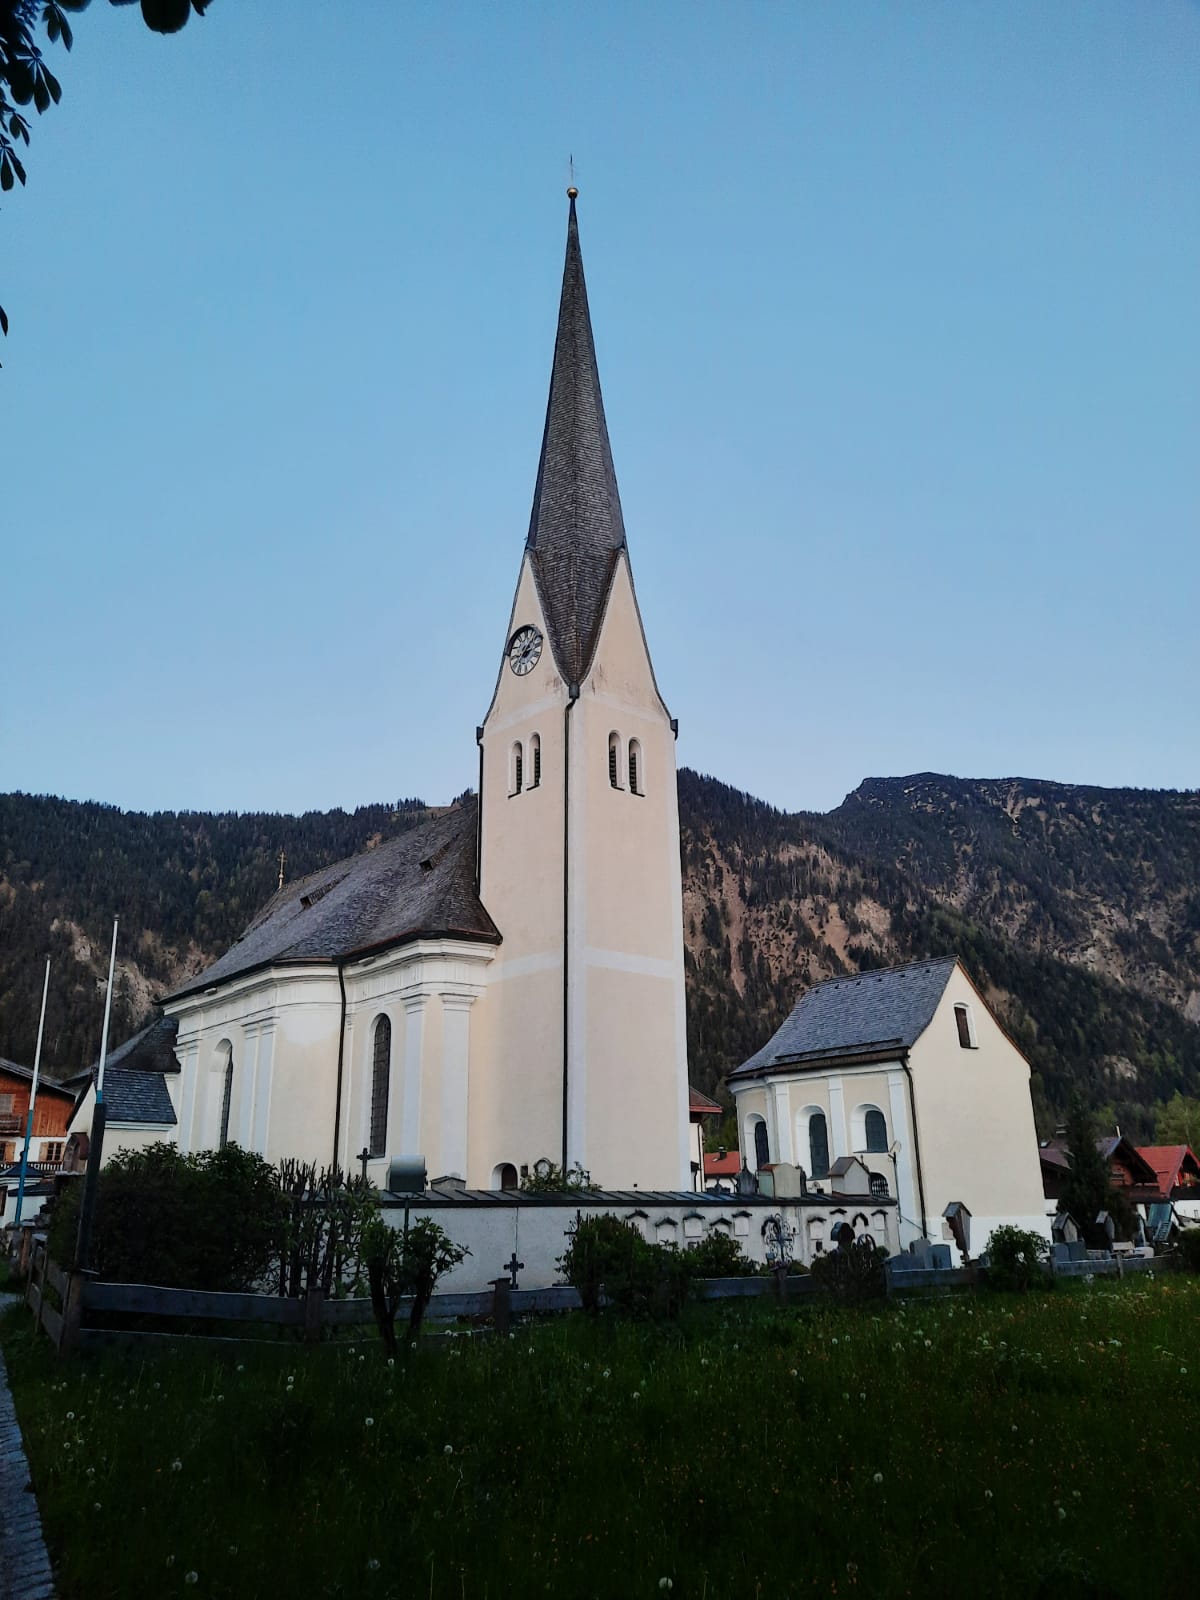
x=1017, y=1260
x=608, y=1257
x=26, y=80
x=853, y=1272
x=719, y=1256
x=205, y=1221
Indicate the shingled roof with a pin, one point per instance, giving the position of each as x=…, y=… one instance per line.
x=419, y=885
x=853, y=1016
x=576, y=527
x=45, y=1084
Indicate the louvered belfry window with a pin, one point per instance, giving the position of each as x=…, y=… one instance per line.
x=381, y=1077
x=614, y=760
x=535, y=757
x=635, y=766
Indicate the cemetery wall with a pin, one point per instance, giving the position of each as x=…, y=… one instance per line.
x=495, y=1226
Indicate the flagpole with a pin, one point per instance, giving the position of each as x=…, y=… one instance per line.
x=37, y=1063
x=83, y=1243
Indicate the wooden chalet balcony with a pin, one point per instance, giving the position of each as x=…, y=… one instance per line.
x=10, y=1125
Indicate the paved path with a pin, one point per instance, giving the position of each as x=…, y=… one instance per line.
x=24, y=1565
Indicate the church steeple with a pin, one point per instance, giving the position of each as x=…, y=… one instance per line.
x=575, y=528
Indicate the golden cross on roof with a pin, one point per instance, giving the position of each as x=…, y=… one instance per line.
x=282, y=863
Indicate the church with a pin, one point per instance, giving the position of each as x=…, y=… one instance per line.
x=503, y=983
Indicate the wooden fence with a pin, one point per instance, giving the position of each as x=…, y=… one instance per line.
x=71, y=1323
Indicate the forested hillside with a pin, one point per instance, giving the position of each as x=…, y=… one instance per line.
x=1076, y=909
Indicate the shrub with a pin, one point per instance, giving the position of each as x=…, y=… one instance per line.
x=204, y=1221
x=719, y=1256
x=607, y=1256
x=1188, y=1246
x=323, y=1217
x=852, y=1272
x=545, y=1177
x=409, y=1262
x=1016, y=1258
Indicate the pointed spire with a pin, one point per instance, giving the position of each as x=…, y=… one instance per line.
x=576, y=528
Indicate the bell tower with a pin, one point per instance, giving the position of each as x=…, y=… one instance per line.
x=584, y=1050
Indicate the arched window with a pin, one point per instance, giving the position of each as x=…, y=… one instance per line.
x=505, y=1176
x=879, y=1186
x=762, y=1150
x=535, y=760
x=226, y=1101
x=876, y=1130
x=754, y=1142
x=635, y=766
x=516, y=772
x=818, y=1145
x=614, y=760
x=381, y=1082
x=965, y=1023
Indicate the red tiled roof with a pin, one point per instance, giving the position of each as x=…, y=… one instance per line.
x=718, y=1166
x=699, y=1105
x=1168, y=1161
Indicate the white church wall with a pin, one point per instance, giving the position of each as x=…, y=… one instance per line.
x=975, y=1120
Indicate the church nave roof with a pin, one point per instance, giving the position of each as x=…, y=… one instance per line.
x=420, y=884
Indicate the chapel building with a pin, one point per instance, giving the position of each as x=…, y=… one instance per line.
x=504, y=982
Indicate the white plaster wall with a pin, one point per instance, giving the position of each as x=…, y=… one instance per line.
x=627, y=1119
x=975, y=1121
x=538, y=1233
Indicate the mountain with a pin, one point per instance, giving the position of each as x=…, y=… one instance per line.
x=1076, y=909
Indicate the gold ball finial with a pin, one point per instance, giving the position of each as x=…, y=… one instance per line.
x=572, y=193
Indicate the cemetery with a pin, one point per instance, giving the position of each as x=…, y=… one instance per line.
x=1028, y=1439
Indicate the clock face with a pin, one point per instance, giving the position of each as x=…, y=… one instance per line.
x=524, y=650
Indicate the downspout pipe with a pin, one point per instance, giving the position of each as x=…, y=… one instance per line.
x=337, y=1108
x=912, y=1117
x=573, y=696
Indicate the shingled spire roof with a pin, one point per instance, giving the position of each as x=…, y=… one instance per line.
x=576, y=528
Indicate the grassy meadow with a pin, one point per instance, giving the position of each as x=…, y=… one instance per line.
x=991, y=1445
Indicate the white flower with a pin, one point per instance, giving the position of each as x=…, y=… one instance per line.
x=369, y=1422
x=637, y=1394
x=794, y=1373
x=606, y=1373
x=391, y=1362
x=177, y=1465
x=220, y=1397
x=96, y=1507
x=1062, y=1513
x=987, y=1494
x=833, y=1341
x=878, y=1478
x=241, y=1366
x=447, y=1449
x=372, y=1565
x=665, y=1583
x=70, y=1416
x=1183, y=1370
x=190, y=1577
x=233, y=1549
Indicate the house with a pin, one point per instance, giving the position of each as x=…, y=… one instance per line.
x=721, y=1168
x=1129, y=1171
x=504, y=982
x=908, y=1070
x=50, y=1113
x=141, y=1092
x=1177, y=1177
x=699, y=1107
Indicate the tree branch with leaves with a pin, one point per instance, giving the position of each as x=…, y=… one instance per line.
x=26, y=80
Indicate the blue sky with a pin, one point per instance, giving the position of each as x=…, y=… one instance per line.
x=895, y=308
